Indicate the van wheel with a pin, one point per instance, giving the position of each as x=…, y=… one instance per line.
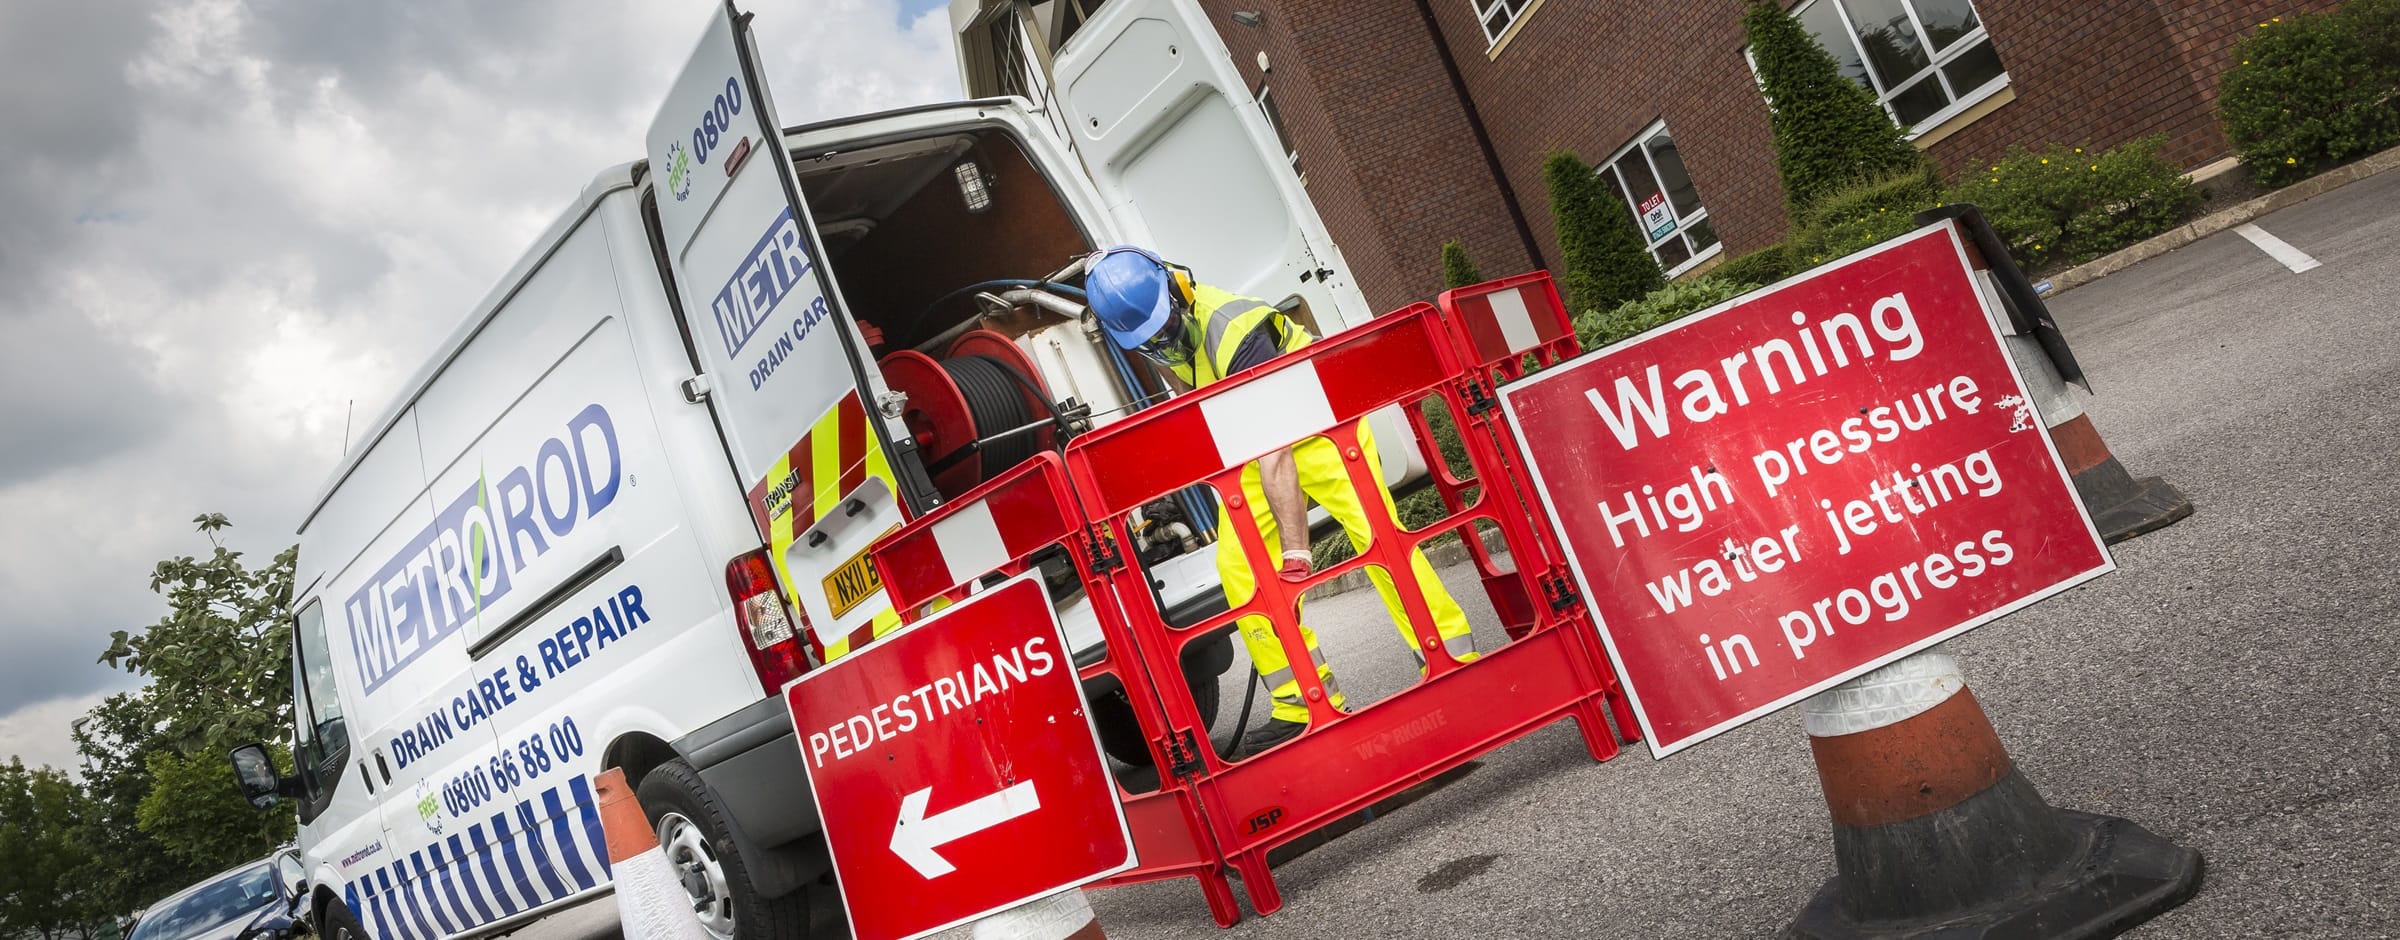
x=1121, y=735
x=335, y=922
x=698, y=841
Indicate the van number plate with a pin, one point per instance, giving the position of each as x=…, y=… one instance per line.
x=851, y=583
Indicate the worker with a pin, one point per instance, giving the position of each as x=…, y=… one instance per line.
x=1202, y=334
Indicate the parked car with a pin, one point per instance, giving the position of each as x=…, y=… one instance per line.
x=257, y=901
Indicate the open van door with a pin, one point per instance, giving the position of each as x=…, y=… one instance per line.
x=783, y=366
x=1187, y=163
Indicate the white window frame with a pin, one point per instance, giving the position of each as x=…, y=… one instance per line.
x=1483, y=13
x=1960, y=102
x=1683, y=223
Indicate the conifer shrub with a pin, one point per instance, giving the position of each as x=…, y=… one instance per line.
x=1604, y=260
x=1458, y=270
x=1829, y=131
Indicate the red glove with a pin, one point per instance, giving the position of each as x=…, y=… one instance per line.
x=1295, y=565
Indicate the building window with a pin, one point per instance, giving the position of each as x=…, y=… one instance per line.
x=1926, y=60
x=1283, y=135
x=1648, y=174
x=1496, y=15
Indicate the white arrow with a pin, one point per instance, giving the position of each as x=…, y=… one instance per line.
x=916, y=835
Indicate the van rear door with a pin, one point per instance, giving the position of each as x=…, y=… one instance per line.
x=784, y=367
x=1186, y=161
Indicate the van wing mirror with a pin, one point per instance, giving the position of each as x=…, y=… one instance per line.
x=254, y=770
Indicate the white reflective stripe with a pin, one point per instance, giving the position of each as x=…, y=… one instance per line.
x=970, y=542
x=1268, y=414
x=1056, y=917
x=1516, y=323
x=2051, y=394
x=651, y=902
x=1887, y=696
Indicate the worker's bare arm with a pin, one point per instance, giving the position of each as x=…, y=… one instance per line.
x=1279, y=477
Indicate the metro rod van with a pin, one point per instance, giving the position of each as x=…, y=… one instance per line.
x=630, y=497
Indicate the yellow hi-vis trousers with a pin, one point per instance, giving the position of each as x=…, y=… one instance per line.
x=1324, y=481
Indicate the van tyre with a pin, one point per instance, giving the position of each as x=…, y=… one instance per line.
x=697, y=837
x=1121, y=734
x=335, y=922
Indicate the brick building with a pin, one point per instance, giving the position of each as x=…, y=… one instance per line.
x=1420, y=121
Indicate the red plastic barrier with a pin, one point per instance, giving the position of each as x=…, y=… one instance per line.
x=1209, y=813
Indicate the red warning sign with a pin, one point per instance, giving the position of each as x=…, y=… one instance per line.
x=955, y=768
x=1771, y=497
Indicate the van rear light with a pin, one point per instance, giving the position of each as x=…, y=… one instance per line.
x=770, y=629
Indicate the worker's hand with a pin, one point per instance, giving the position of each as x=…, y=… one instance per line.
x=1295, y=565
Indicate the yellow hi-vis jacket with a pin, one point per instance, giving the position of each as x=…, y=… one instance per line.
x=1225, y=335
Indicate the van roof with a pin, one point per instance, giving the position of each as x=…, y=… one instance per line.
x=619, y=177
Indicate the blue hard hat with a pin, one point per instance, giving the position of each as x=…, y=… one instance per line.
x=1131, y=292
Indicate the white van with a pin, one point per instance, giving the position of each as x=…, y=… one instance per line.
x=629, y=498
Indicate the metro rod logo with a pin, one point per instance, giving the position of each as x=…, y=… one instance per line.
x=444, y=577
x=760, y=283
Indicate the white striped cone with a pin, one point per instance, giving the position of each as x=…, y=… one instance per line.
x=651, y=902
x=1066, y=915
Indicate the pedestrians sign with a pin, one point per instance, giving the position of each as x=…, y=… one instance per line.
x=1771, y=497
x=955, y=767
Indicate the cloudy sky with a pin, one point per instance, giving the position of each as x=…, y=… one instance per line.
x=226, y=226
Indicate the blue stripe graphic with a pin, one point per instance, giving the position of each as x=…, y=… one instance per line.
x=588, y=807
x=531, y=829
x=466, y=876
x=422, y=887
x=449, y=882
x=516, y=865
x=561, y=827
x=404, y=901
x=383, y=928
x=491, y=871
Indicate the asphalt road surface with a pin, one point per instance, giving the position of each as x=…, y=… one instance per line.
x=2231, y=687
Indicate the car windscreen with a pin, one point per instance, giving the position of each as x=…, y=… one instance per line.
x=221, y=901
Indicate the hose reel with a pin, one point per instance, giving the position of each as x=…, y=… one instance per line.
x=977, y=411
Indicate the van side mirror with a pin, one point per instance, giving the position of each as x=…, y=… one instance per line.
x=254, y=770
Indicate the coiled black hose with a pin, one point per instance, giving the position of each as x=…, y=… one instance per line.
x=995, y=403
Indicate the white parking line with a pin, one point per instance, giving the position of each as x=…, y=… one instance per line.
x=2278, y=249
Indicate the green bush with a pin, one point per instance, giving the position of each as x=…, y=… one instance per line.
x=2308, y=92
x=1857, y=216
x=1764, y=266
x=1458, y=270
x=1605, y=261
x=1660, y=307
x=1829, y=132
x=2067, y=205
x=2375, y=26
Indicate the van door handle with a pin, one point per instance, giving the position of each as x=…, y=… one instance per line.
x=366, y=775
x=382, y=765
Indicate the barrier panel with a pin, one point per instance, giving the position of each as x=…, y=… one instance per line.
x=1212, y=813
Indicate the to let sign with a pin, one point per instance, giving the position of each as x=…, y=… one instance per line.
x=1773, y=496
x=955, y=768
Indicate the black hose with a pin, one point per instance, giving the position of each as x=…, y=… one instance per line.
x=994, y=405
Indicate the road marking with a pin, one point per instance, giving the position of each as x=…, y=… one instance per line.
x=2278, y=249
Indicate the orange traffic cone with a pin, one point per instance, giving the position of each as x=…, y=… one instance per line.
x=1938, y=836
x=651, y=903
x=1062, y=916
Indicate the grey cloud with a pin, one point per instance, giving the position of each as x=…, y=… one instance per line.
x=70, y=118
x=74, y=395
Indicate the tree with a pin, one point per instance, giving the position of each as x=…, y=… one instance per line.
x=40, y=810
x=1606, y=262
x=1829, y=130
x=164, y=807
x=1457, y=269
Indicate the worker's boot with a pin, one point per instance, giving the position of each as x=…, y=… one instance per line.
x=1276, y=732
